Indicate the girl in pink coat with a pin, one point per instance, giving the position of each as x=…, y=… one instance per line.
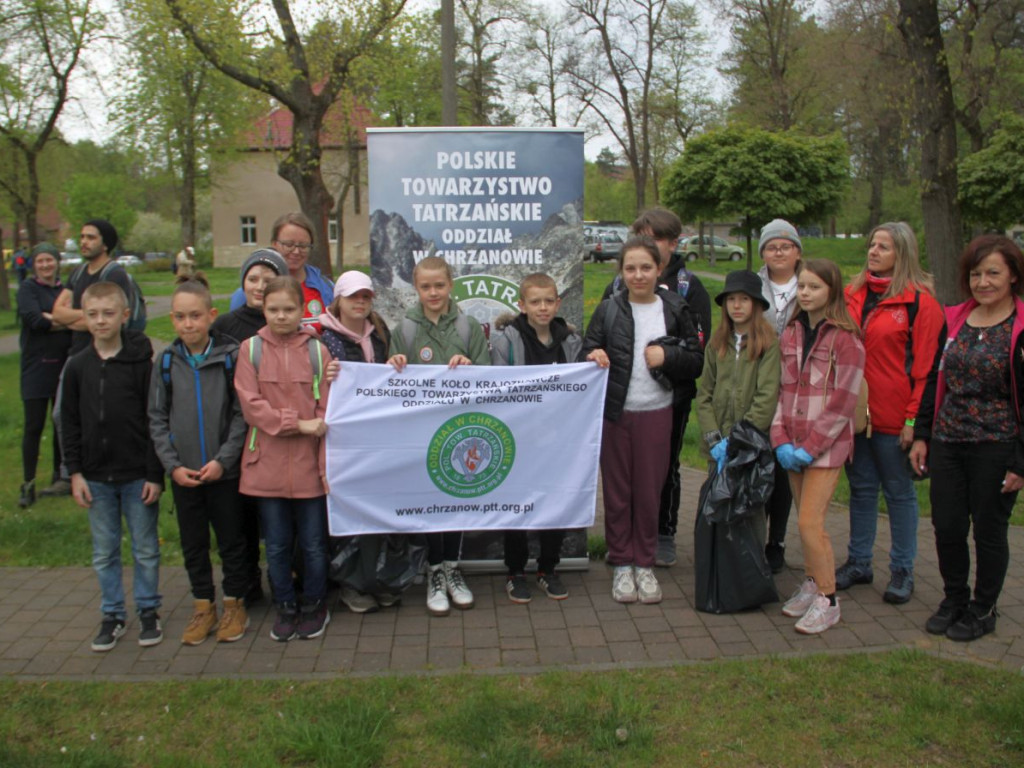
x=283, y=395
x=822, y=369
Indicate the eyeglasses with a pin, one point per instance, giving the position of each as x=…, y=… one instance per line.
x=784, y=248
x=288, y=245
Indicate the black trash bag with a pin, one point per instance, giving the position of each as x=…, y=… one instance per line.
x=729, y=534
x=377, y=564
x=747, y=480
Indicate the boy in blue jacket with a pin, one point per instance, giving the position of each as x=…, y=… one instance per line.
x=198, y=430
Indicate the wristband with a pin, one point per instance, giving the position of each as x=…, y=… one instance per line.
x=910, y=422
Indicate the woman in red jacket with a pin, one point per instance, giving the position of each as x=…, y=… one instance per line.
x=893, y=303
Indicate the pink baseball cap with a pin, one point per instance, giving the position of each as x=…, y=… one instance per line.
x=352, y=282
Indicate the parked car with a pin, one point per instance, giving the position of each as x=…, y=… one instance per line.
x=690, y=248
x=70, y=259
x=603, y=246
x=129, y=260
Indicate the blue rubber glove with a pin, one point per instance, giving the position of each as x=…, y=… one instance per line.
x=784, y=455
x=718, y=451
x=801, y=459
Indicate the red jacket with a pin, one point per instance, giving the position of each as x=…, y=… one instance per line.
x=898, y=358
x=817, y=400
x=280, y=462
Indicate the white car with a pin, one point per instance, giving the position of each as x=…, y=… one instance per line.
x=128, y=260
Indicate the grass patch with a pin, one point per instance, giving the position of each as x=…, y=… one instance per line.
x=901, y=708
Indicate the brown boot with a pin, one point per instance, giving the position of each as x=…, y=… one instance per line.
x=202, y=623
x=234, y=621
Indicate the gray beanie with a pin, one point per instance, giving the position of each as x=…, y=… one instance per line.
x=777, y=229
x=268, y=257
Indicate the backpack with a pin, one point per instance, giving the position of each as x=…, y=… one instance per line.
x=461, y=327
x=165, y=372
x=316, y=359
x=136, y=301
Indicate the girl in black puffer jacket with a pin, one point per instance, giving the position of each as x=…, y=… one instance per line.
x=645, y=336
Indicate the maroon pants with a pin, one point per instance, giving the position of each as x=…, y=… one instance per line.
x=634, y=462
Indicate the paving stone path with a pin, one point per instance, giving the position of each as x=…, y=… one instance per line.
x=49, y=616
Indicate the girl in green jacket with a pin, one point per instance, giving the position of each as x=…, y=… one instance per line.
x=436, y=332
x=741, y=367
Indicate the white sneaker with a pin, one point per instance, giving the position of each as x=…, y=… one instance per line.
x=462, y=597
x=801, y=600
x=819, y=617
x=647, y=588
x=623, y=585
x=437, y=592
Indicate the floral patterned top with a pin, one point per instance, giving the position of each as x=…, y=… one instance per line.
x=978, y=407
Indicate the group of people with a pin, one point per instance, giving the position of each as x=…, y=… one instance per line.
x=233, y=412
x=795, y=355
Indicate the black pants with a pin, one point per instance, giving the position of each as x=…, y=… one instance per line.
x=517, y=550
x=218, y=505
x=778, y=506
x=251, y=534
x=35, y=423
x=443, y=546
x=668, y=512
x=966, y=489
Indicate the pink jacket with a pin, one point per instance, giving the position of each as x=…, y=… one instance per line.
x=277, y=461
x=817, y=402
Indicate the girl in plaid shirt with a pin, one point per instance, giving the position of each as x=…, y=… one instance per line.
x=822, y=369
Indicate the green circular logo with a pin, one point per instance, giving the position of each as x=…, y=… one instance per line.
x=470, y=455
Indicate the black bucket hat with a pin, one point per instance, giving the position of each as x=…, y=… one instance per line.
x=743, y=281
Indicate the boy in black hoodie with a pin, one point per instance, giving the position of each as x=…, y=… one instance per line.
x=537, y=336
x=114, y=469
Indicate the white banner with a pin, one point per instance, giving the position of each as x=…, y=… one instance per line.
x=475, y=448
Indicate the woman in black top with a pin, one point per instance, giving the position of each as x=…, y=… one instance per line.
x=44, y=348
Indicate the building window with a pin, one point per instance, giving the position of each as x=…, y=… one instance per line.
x=249, y=230
x=332, y=230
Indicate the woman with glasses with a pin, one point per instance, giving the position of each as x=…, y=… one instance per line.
x=292, y=237
x=781, y=249
x=893, y=303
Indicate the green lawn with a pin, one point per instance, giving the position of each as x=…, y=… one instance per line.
x=894, y=709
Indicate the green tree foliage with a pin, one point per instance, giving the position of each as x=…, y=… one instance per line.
x=759, y=176
x=100, y=196
x=176, y=105
x=41, y=42
x=607, y=197
x=402, y=75
x=307, y=62
x=992, y=180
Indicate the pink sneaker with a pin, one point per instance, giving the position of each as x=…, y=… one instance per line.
x=801, y=600
x=819, y=617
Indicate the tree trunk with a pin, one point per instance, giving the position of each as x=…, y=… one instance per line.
x=5, y=290
x=301, y=168
x=187, y=207
x=32, y=203
x=936, y=122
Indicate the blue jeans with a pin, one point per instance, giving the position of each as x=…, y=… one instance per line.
x=109, y=502
x=281, y=519
x=879, y=462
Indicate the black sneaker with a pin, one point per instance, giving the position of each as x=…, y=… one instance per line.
x=151, y=632
x=943, y=619
x=552, y=585
x=110, y=632
x=973, y=624
x=313, y=620
x=27, y=494
x=850, y=573
x=775, y=554
x=286, y=624
x=59, y=488
x=517, y=588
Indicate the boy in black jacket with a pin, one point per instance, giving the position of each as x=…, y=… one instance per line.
x=114, y=469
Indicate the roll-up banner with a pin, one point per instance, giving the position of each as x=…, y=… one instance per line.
x=497, y=204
